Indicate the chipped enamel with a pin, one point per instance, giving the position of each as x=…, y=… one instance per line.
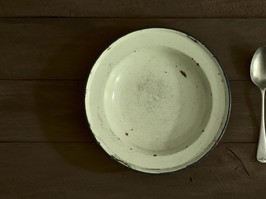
x=157, y=100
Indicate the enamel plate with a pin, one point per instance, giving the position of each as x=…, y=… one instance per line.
x=157, y=100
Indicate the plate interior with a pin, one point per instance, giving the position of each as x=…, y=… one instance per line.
x=157, y=100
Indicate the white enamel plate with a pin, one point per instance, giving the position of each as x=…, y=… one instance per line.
x=157, y=100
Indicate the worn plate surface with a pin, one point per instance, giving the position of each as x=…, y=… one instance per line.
x=157, y=100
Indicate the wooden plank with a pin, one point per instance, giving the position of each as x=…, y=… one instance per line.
x=43, y=111
x=84, y=170
x=53, y=111
x=67, y=48
x=133, y=8
x=245, y=116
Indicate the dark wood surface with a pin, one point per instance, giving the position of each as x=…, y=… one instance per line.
x=81, y=170
x=47, y=49
x=133, y=8
x=56, y=48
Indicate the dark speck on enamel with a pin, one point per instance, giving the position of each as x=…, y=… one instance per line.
x=183, y=73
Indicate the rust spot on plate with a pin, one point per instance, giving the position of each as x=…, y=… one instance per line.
x=183, y=73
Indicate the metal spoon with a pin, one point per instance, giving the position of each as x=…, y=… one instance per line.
x=258, y=76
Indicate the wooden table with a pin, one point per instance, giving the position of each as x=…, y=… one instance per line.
x=47, y=49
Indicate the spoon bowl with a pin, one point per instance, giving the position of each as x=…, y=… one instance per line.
x=258, y=68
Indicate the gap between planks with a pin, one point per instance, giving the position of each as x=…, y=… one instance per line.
x=150, y=17
x=46, y=80
x=91, y=142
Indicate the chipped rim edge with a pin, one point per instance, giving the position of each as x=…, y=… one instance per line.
x=213, y=144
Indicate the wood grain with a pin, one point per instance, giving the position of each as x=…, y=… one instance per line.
x=47, y=49
x=53, y=111
x=85, y=171
x=133, y=8
x=67, y=48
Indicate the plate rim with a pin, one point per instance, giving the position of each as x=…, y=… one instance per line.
x=213, y=144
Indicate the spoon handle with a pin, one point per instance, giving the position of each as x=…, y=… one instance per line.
x=261, y=151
